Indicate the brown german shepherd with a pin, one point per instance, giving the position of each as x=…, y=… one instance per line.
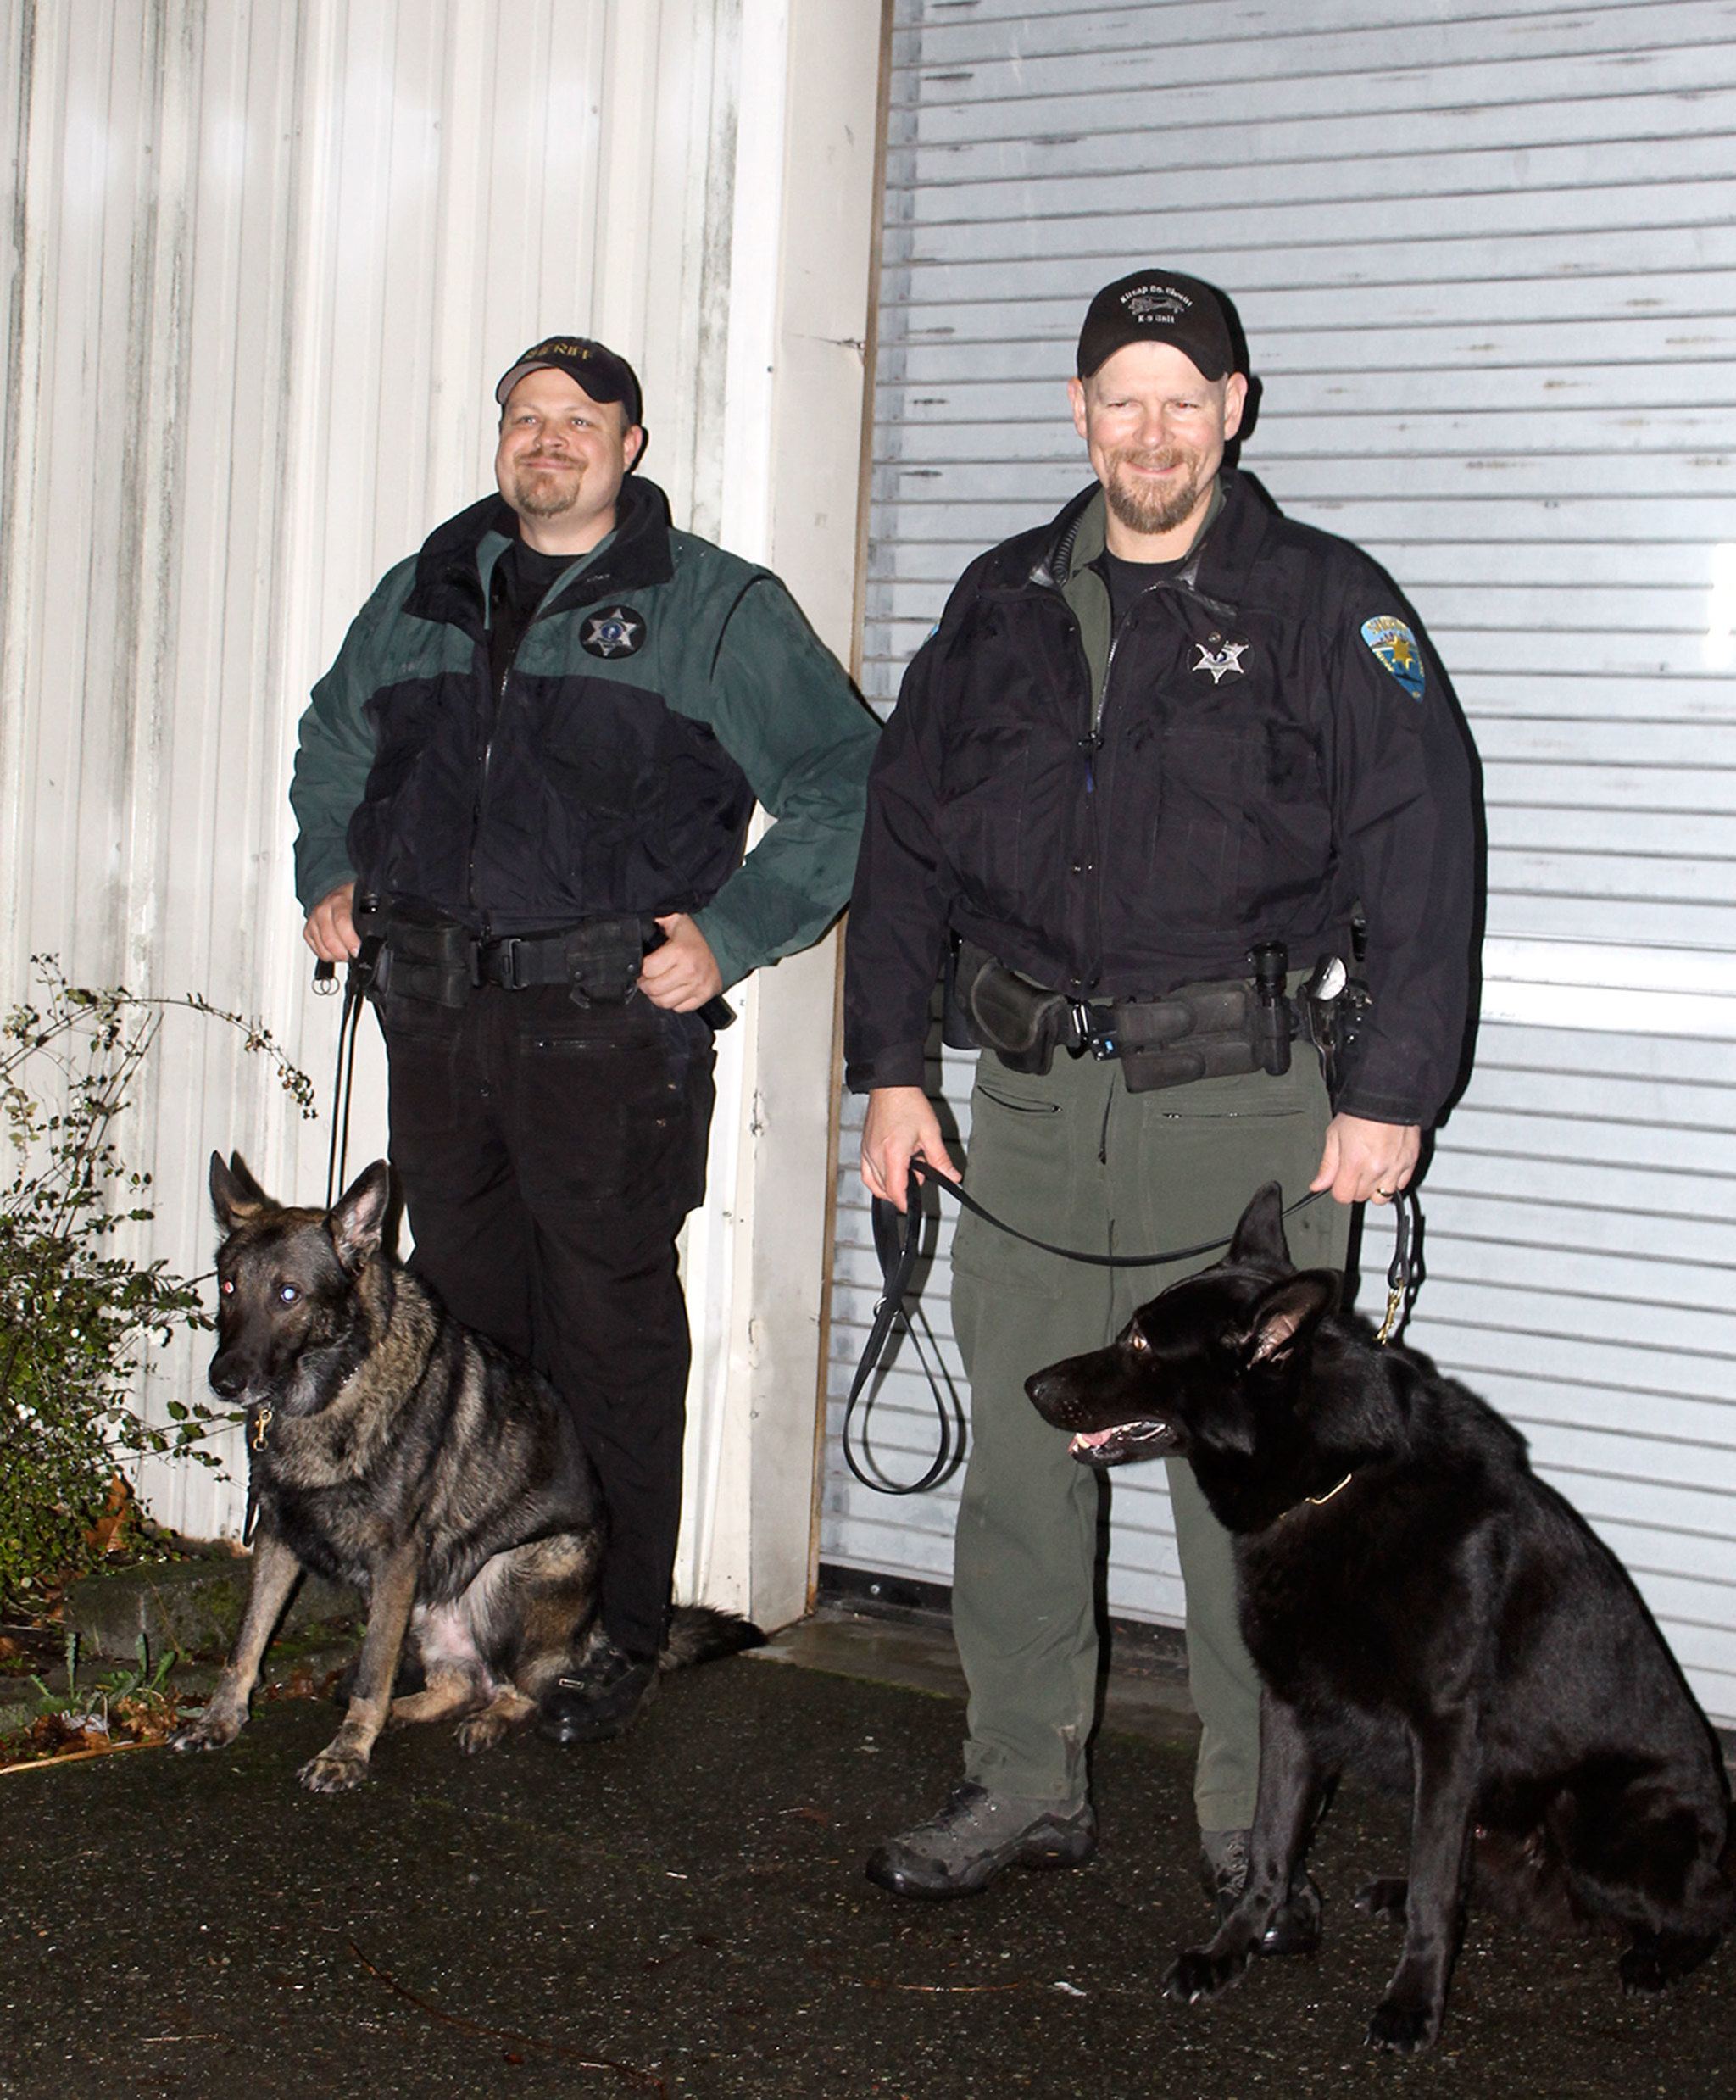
x=396, y=1450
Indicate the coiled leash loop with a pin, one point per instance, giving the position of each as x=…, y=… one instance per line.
x=896, y=1245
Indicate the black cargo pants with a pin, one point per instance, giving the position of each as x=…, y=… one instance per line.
x=548, y=1154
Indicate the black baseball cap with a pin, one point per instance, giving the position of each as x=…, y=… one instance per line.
x=1158, y=306
x=602, y=375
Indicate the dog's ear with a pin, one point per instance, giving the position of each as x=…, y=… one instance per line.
x=1287, y=1315
x=357, y=1219
x=236, y=1196
x=1260, y=1237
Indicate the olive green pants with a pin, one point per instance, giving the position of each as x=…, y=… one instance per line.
x=1074, y=1158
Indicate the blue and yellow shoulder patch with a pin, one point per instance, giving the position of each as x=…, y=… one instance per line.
x=1395, y=644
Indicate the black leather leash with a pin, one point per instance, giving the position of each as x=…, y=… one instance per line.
x=356, y=978
x=895, y=1246
x=1407, y=1231
x=927, y=1173
x=343, y=1080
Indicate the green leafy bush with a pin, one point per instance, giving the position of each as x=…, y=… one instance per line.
x=77, y=1313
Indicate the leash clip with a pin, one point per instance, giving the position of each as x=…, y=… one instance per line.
x=1405, y=1214
x=261, y=1422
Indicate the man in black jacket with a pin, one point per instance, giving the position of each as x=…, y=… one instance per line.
x=539, y=749
x=1169, y=742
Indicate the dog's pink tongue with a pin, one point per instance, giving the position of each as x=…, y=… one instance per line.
x=1092, y=1440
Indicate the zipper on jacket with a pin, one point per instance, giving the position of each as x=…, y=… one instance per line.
x=1089, y=745
x=485, y=758
x=1094, y=742
x=1091, y=742
x=484, y=761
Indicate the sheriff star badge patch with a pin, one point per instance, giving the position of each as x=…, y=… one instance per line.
x=617, y=631
x=1222, y=659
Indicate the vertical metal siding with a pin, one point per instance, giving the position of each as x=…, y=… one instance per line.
x=1485, y=262
x=260, y=266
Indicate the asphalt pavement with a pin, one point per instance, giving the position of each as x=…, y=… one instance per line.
x=683, y=1913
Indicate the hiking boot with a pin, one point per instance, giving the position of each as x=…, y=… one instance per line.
x=601, y=1698
x=974, y=1836
x=1293, y=1927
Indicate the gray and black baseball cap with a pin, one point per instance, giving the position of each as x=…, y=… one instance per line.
x=1158, y=305
x=603, y=374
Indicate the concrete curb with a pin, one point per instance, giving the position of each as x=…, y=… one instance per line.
x=193, y=1607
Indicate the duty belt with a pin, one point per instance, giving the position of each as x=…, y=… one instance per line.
x=1203, y=1031
x=516, y=961
x=411, y=954
x=423, y=956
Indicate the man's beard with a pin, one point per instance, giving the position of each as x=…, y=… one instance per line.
x=1147, y=510
x=537, y=491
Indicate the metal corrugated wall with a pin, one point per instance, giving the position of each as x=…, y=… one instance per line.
x=261, y=264
x=1485, y=260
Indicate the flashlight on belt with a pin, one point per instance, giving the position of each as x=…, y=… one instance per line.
x=1271, y=1007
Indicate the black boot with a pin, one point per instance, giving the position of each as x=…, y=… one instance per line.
x=603, y=1697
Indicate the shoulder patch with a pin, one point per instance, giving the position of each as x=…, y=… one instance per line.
x=1395, y=644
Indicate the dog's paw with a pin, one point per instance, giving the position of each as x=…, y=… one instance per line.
x=1653, y=1964
x=1403, y=2024
x=482, y=1731
x=211, y=1731
x=1643, y=1974
x=334, y=1771
x=1388, y=1897
x=1200, y=1974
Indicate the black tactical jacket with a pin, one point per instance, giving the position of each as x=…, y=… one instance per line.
x=1260, y=743
x=662, y=687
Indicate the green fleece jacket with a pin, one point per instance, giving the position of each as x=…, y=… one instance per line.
x=663, y=687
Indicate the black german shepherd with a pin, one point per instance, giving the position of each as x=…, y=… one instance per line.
x=396, y=1450
x=1420, y=1606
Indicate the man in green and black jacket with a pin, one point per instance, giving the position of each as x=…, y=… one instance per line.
x=532, y=769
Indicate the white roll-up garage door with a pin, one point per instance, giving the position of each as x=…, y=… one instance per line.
x=1486, y=262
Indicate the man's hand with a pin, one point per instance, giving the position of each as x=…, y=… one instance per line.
x=331, y=932
x=1366, y=1162
x=900, y=1126
x=681, y=974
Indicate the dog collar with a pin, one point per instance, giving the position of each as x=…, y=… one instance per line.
x=1317, y=1501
